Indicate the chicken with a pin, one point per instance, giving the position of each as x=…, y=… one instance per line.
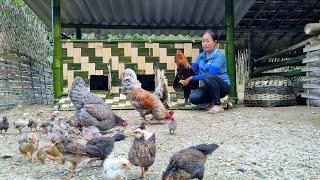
x=114, y=168
x=4, y=125
x=91, y=110
x=51, y=152
x=90, y=132
x=33, y=123
x=98, y=148
x=172, y=124
x=28, y=145
x=48, y=126
x=188, y=163
x=143, y=150
x=162, y=92
x=22, y=123
x=143, y=101
x=184, y=71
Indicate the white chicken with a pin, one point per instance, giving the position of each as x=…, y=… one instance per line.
x=115, y=167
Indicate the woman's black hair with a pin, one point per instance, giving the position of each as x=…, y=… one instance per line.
x=212, y=33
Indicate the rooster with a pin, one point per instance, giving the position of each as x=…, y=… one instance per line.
x=91, y=110
x=162, y=92
x=184, y=71
x=188, y=163
x=143, y=101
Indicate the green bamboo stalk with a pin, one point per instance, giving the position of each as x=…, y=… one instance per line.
x=231, y=47
x=57, y=49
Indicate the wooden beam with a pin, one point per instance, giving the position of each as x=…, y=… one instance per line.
x=101, y=26
x=296, y=46
x=312, y=29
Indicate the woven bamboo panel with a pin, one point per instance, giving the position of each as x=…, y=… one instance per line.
x=269, y=91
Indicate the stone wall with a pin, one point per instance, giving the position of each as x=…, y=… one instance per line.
x=23, y=80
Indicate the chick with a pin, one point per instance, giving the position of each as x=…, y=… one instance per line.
x=4, y=125
x=51, y=152
x=143, y=150
x=28, y=145
x=188, y=163
x=114, y=168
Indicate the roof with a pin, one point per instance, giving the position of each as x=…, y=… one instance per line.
x=158, y=16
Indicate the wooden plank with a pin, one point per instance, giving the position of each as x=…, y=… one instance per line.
x=311, y=86
x=309, y=69
x=312, y=59
x=311, y=48
x=310, y=96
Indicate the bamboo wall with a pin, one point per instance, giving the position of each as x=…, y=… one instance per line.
x=23, y=81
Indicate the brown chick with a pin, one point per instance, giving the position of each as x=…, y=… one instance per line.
x=28, y=145
x=4, y=125
x=188, y=163
x=33, y=124
x=51, y=152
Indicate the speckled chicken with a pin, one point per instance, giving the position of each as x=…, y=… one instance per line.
x=143, y=101
x=4, y=124
x=188, y=163
x=184, y=71
x=28, y=145
x=162, y=92
x=91, y=110
x=143, y=150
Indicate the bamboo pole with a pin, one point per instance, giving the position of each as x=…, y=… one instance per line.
x=231, y=47
x=57, y=49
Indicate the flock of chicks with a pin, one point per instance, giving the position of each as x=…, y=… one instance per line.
x=82, y=137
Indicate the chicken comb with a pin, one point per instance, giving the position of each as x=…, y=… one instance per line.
x=181, y=60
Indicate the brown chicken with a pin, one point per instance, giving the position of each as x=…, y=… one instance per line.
x=143, y=150
x=184, y=71
x=143, y=101
x=51, y=152
x=28, y=145
x=188, y=163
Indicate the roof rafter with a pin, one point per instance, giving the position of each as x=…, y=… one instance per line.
x=258, y=13
x=277, y=13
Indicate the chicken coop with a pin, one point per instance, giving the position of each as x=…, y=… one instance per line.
x=101, y=63
x=259, y=38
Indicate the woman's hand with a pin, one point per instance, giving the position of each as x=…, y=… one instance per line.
x=186, y=81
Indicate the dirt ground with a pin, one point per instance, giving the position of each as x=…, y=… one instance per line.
x=254, y=143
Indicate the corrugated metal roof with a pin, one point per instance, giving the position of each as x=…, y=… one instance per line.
x=155, y=13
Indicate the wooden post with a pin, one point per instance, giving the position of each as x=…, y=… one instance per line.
x=231, y=47
x=57, y=49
